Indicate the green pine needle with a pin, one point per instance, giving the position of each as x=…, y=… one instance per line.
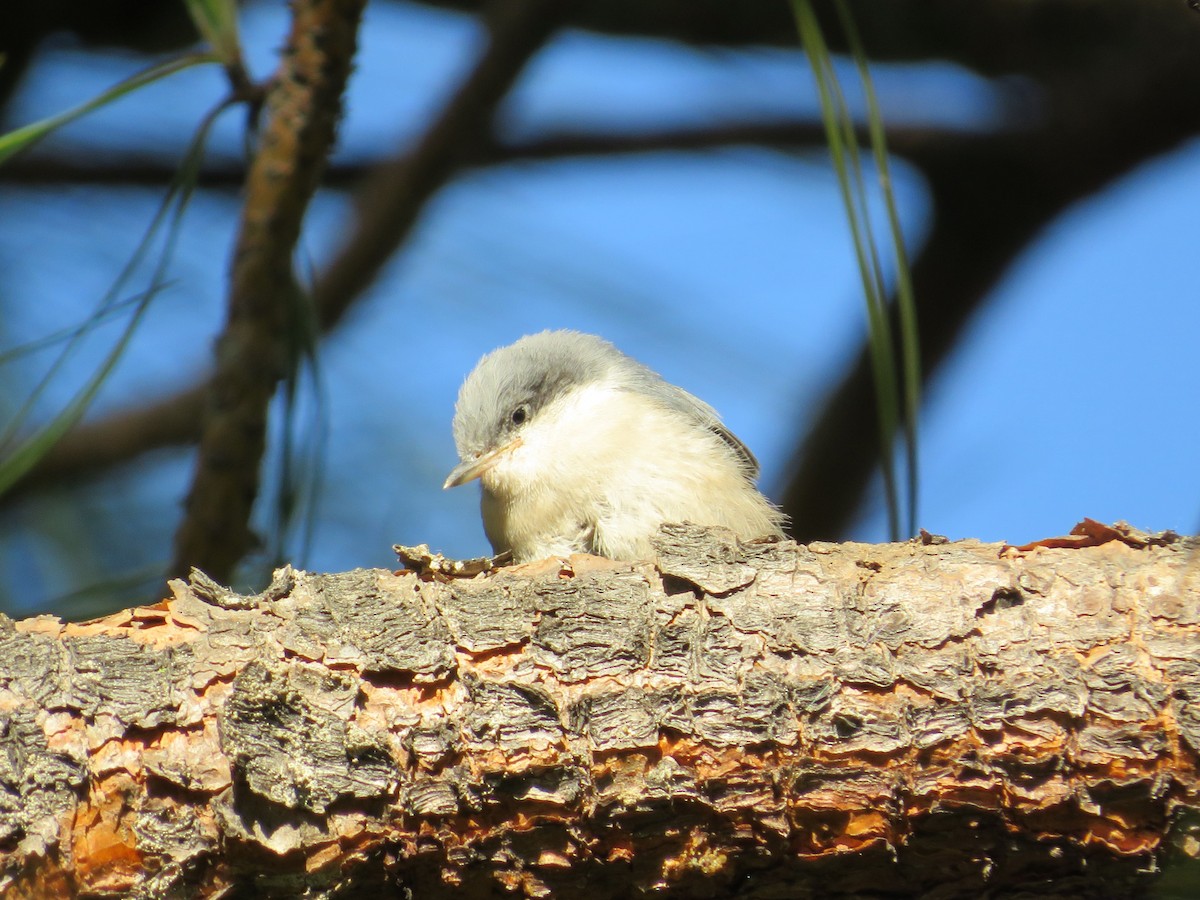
x=27, y=452
x=25, y=137
x=846, y=157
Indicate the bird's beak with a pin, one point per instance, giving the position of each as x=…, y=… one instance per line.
x=471, y=469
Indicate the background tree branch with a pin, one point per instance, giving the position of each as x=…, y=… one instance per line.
x=261, y=340
x=394, y=194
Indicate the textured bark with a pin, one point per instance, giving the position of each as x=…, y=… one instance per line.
x=764, y=720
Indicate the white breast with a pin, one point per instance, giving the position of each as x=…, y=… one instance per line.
x=602, y=469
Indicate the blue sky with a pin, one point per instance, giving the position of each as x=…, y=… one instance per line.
x=729, y=271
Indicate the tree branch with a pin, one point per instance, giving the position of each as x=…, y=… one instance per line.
x=94, y=447
x=258, y=346
x=747, y=720
x=395, y=193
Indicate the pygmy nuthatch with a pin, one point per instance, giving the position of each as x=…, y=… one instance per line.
x=580, y=448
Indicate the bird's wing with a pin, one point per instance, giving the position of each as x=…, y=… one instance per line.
x=696, y=409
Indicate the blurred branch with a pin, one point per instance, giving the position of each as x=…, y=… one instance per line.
x=992, y=195
x=393, y=196
x=991, y=37
x=66, y=168
x=790, y=134
x=119, y=437
x=253, y=352
x=798, y=134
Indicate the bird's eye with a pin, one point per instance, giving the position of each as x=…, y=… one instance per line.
x=519, y=415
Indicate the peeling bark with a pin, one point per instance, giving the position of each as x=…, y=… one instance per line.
x=762, y=720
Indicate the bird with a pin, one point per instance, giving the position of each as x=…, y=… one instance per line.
x=580, y=448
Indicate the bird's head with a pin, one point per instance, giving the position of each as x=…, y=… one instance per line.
x=508, y=422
